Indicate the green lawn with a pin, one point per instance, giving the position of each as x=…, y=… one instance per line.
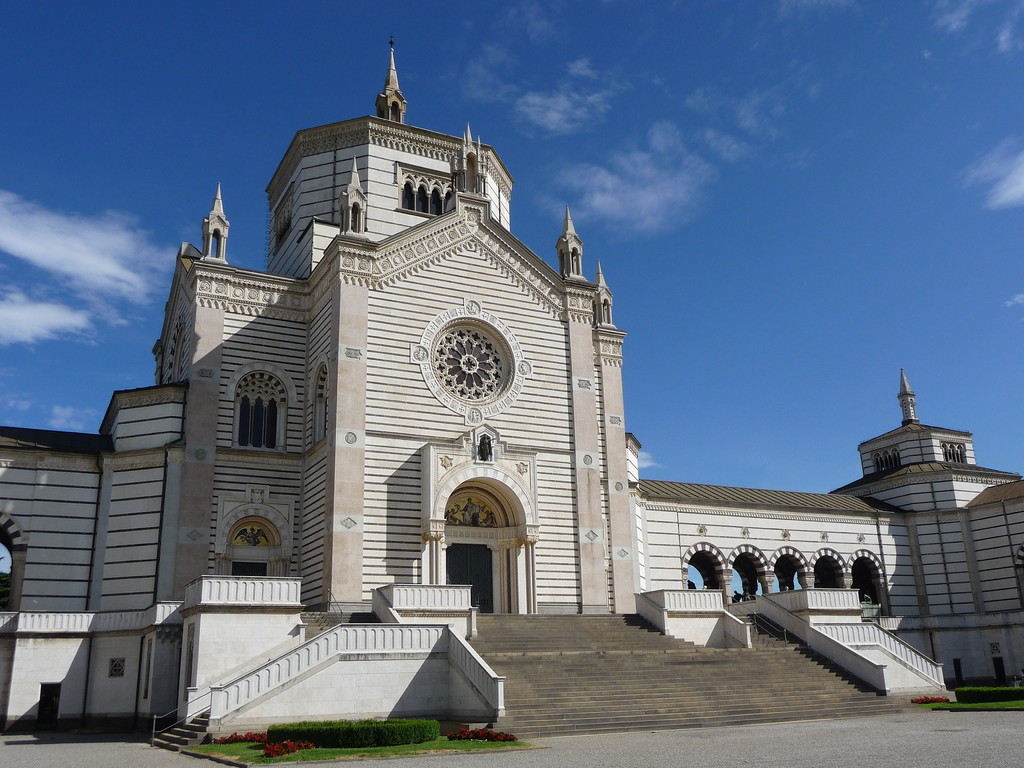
x=1015, y=704
x=249, y=752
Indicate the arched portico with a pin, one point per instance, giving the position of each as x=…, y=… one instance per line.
x=478, y=534
x=16, y=543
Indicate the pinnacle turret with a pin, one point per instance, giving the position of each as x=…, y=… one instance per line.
x=215, y=230
x=570, y=249
x=908, y=403
x=391, y=103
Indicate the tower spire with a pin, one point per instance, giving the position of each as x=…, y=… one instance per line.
x=215, y=230
x=570, y=249
x=908, y=403
x=391, y=103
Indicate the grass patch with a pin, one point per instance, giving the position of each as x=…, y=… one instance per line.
x=961, y=705
x=250, y=752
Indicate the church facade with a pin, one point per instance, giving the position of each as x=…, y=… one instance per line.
x=409, y=396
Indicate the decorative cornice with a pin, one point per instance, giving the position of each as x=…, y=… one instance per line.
x=867, y=517
x=253, y=294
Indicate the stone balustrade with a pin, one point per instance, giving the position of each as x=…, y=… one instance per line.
x=74, y=622
x=868, y=634
x=238, y=590
x=428, y=597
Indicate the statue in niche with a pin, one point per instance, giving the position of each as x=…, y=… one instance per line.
x=252, y=536
x=484, y=451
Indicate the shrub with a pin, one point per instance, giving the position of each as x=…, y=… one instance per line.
x=974, y=694
x=357, y=733
x=480, y=734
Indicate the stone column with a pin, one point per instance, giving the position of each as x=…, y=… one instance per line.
x=343, y=550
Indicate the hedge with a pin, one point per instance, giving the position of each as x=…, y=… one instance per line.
x=357, y=733
x=974, y=694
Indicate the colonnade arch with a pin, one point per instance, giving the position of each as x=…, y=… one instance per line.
x=706, y=567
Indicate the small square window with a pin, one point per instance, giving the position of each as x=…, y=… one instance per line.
x=116, y=668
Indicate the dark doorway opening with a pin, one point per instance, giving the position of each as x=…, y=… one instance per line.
x=49, y=705
x=248, y=569
x=997, y=667
x=471, y=564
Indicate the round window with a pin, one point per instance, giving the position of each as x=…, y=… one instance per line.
x=470, y=364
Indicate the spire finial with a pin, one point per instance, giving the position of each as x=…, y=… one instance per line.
x=390, y=102
x=600, y=275
x=908, y=402
x=215, y=230
x=567, y=226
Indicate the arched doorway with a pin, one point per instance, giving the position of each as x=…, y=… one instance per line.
x=790, y=572
x=13, y=549
x=705, y=568
x=486, y=549
x=828, y=571
x=254, y=548
x=867, y=579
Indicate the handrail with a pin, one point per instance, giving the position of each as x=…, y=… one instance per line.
x=769, y=627
x=869, y=633
x=177, y=722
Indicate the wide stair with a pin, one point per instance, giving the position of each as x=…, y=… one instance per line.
x=593, y=674
x=185, y=734
x=318, y=622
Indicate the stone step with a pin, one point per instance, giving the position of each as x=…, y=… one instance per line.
x=592, y=674
x=184, y=735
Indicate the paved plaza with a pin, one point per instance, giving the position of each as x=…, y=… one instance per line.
x=916, y=738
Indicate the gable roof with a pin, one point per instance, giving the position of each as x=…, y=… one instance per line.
x=923, y=467
x=758, y=497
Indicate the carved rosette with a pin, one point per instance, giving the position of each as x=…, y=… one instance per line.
x=477, y=376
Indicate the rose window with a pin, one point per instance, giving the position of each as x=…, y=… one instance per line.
x=469, y=364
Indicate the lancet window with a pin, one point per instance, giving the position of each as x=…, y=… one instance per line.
x=260, y=409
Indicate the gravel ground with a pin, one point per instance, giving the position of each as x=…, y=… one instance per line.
x=917, y=738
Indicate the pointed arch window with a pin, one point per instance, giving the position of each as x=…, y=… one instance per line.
x=885, y=460
x=421, y=199
x=321, y=417
x=435, y=202
x=357, y=218
x=954, y=452
x=408, y=197
x=260, y=410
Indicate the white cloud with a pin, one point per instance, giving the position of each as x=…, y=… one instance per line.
x=67, y=417
x=532, y=18
x=1002, y=172
x=643, y=190
x=564, y=111
x=795, y=6
x=1018, y=299
x=568, y=107
x=757, y=112
x=999, y=18
x=647, y=461
x=18, y=403
x=106, y=254
x=728, y=148
x=23, y=320
x=582, y=68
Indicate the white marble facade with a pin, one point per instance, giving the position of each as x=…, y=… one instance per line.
x=410, y=396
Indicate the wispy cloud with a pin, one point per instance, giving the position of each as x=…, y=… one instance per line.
x=646, y=461
x=1018, y=299
x=579, y=99
x=97, y=261
x=23, y=320
x=727, y=147
x=1000, y=19
x=796, y=6
x=67, y=417
x=757, y=113
x=533, y=18
x=646, y=189
x=1001, y=171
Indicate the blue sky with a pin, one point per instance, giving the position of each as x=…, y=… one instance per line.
x=790, y=199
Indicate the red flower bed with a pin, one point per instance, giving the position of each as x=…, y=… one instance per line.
x=282, y=748
x=480, y=734
x=930, y=700
x=237, y=738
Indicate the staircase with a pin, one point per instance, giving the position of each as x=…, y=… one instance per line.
x=318, y=622
x=184, y=735
x=592, y=674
